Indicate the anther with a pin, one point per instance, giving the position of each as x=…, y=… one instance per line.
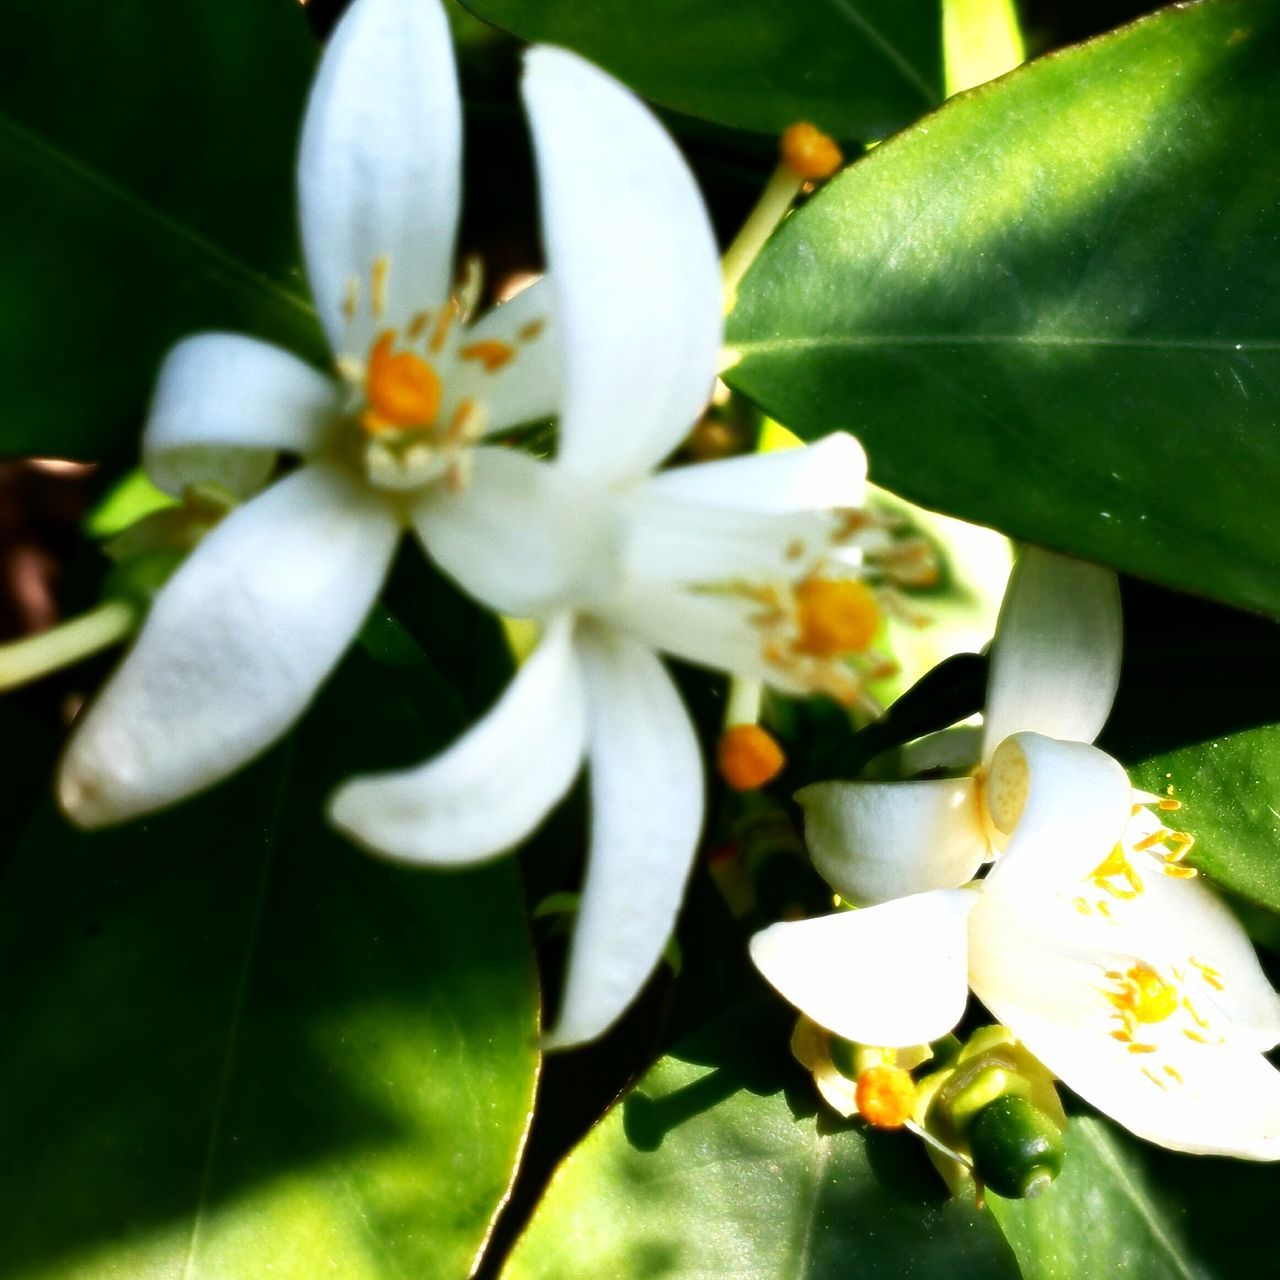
x=809, y=153
x=835, y=616
x=748, y=757
x=530, y=331
x=378, y=285
x=491, y=353
x=403, y=390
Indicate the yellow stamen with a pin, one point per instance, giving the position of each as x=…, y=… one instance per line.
x=491, y=353
x=403, y=390
x=530, y=331
x=1173, y=1073
x=418, y=324
x=1155, y=1079
x=1209, y=974
x=351, y=299
x=885, y=1096
x=1145, y=996
x=835, y=615
x=1116, y=866
x=378, y=283
x=809, y=153
x=443, y=325
x=748, y=756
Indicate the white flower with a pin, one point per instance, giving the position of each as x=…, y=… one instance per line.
x=1054, y=671
x=241, y=637
x=1090, y=942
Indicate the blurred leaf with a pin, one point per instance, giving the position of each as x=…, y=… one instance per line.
x=981, y=40
x=1054, y=306
x=236, y=1046
x=707, y=1169
x=148, y=151
x=856, y=68
x=1100, y=1218
x=125, y=503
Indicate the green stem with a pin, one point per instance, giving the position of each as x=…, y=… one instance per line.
x=28, y=659
x=743, y=703
x=775, y=201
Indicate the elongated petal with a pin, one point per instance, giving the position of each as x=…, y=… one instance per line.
x=1056, y=662
x=522, y=536
x=674, y=540
x=234, y=647
x=874, y=841
x=646, y=814
x=379, y=170
x=494, y=785
x=512, y=360
x=831, y=473
x=1064, y=806
x=890, y=975
x=634, y=265
x=1191, y=1083
x=225, y=406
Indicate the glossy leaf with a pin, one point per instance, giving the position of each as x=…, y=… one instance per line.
x=1053, y=307
x=856, y=68
x=237, y=1046
x=1101, y=1217
x=147, y=149
x=711, y=1167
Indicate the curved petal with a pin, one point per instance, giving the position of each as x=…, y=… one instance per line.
x=234, y=647
x=225, y=405
x=522, y=536
x=494, y=785
x=1191, y=1085
x=892, y=975
x=831, y=473
x=1056, y=663
x=523, y=383
x=633, y=262
x=1064, y=806
x=674, y=540
x=379, y=170
x=875, y=841
x=646, y=814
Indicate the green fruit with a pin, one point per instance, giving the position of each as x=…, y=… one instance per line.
x=1017, y=1150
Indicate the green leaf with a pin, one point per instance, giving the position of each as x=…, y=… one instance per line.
x=710, y=1168
x=148, y=152
x=1054, y=306
x=1100, y=1218
x=856, y=68
x=237, y=1046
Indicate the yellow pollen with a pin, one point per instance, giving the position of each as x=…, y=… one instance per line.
x=1173, y=1073
x=1153, y=839
x=1169, y=805
x=1179, y=872
x=403, y=390
x=1116, y=866
x=1199, y=1039
x=748, y=756
x=1208, y=973
x=1196, y=1016
x=836, y=615
x=1155, y=1079
x=885, y=1096
x=809, y=153
x=1145, y=996
x=1134, y=1047
x=492, y=354
x=378, y=283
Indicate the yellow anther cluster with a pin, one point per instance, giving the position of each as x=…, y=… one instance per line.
x=402, y=388
x=835, y=616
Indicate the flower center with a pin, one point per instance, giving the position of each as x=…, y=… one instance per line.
x=403, y=389
x=1143, y=996
x=835, y=616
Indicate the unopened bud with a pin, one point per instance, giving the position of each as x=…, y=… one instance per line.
x=1017, y=1149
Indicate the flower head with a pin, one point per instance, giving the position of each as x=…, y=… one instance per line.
x=1125, y=976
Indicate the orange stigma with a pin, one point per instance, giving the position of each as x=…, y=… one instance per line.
x=835, y=615
x=809, y=153
x=403, y=389
x=886, y=1096
x=748, y=756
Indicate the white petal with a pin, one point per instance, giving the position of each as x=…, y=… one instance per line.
x=646, y=815
x=956, y=748
x=874, y=841
x=527, y=387
x=831, y=473
x=634, y=265
x=234, y=647
x=1045, y=980
x=522, y=536
x=675, y=540
x=494, y=785
x=379, y=170
x=707, y=629
x=225, y=405
x=1056, y=661
x=891, y=975
x=1064, y=806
